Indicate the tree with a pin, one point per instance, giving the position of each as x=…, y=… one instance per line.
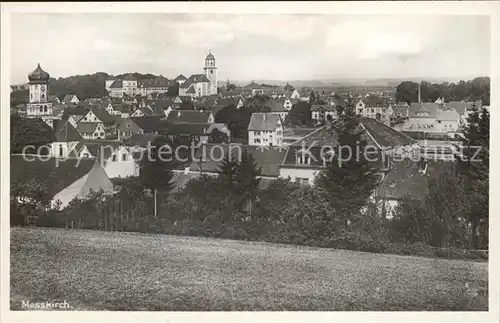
x=156, y=167
x=407, y=92
x=228, y=170
x=25, y=132
x=299, y=115
x=474, y=166
x=349, y=182
x=217, y=136
x=288, y=88
x=312, y=98
x=246, y=180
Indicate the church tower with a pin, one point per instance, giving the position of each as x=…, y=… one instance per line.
x=211, y=73
x=39, y=105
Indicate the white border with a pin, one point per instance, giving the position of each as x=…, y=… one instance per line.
x=491, y=9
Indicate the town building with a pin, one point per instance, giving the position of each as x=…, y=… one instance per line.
x=320, y=112
x=198, y=85
x=265, y=129
x=64, y=180
x=65, y=139
x=38, y=105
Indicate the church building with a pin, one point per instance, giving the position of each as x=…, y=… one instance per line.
x=39, y=106
x=198, y=85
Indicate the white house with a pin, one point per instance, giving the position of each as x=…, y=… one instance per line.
x=91, y=130
x=320, y=112
x=447, y=121
x=265, y=129
x=70, y=99
x=295, y=95
x=66, y=139
x=281, y=107
x=116, y=159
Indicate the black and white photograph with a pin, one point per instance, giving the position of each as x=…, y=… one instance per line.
x=224, y=161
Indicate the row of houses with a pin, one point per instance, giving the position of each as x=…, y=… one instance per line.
x=301, y=161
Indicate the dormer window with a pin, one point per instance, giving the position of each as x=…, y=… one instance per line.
x=302, y=157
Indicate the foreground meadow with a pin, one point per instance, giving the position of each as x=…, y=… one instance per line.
x=96, y=270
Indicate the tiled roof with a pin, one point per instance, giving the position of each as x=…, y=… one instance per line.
x=276, y=105
x=403, y=179
x=263, y=122
x=98, y=147
x=189, y=116
x=149, y=123
x=55, y=175
x=183, y=128
x=180, y=78
x=191, y=90
x=459, y=106
x=252, y=86
x=401, y=109
x=140, y=140
x=71, y=111
x=65, y=132
x=103, y=115
x=428, y=108
x=195, y=78
x=67, y=98
x=449, y=115
x=268, y=160
x=384, y=135
x=325, y=107
x=117, y=84
x=86, y=127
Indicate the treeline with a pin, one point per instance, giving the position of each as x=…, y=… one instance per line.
x=476, y=89
x=337, y=212
x=83, y=86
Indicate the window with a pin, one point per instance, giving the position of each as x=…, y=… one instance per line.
x=85, y=155
x=61, y=152
x=124, y=157
x=256, y=141
x=114, y=158
x=302, y=181
x=256, y=133
x=43, y=96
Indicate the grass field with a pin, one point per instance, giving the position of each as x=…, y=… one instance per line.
x=95, y=270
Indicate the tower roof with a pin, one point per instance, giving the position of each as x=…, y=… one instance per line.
x=210, y=56
x=38, y=75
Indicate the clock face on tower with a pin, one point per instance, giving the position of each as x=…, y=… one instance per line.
x=42, y=88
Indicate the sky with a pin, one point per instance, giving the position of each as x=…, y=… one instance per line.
x=252, y=46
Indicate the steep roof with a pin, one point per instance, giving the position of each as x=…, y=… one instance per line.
x=384, y=135
x=277, y=105
x=449, y=115
x=117, y=84
x=191, y=90
x=65, y=132
x=403, y=179
x=183, y=128
x=325, y=107
x=149, y=123
x=263, y=122
x=180, y=78
x=268, y=160
x=140, y=140
x=98, y=147
x=103, y=115
x=71, y=111
x=86, y=127
x=189, y=116
x=195, y=78
x=55, y=175
x=67, y=98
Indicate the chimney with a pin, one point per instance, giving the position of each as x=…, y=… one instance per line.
x=419, y=94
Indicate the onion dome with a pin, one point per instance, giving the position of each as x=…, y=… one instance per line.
x=209, y=56
x=38, y=75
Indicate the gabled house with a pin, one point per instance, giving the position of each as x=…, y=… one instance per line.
x=281, y=106
x=295, y=95
x=116, y=159
x=91, y=130
x=64, y=180
x=101, y=116
x=66, y=139
x=196, y=85
x=141, y=112
x=320, y=112
x=306, y=157
x=265, y=129
x=189, y=116
x=141, y=125
x=70, y=99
